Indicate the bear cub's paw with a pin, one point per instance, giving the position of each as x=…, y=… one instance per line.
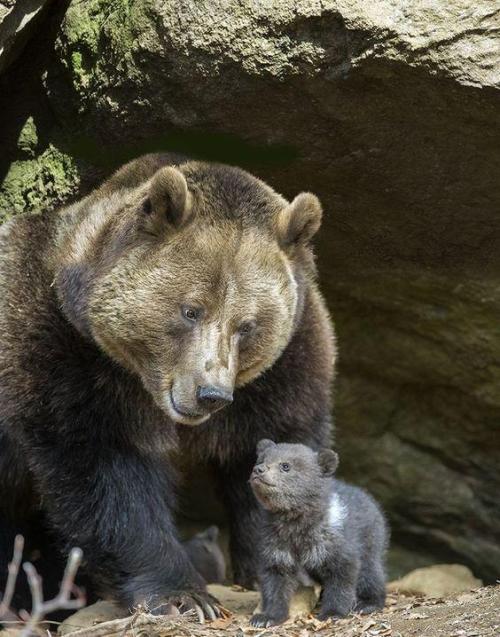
x=263, y=620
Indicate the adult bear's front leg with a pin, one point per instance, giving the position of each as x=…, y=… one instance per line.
x=116, y=506
x=244, y=520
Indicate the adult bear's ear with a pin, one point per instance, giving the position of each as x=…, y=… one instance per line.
x=169, y=202
x=299, y=221
x=328, y=460
x=264, y=444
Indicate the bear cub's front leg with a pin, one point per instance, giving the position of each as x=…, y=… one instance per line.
x=338, y=592
x=277, y=588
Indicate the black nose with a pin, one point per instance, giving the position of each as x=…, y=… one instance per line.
x=212, y=398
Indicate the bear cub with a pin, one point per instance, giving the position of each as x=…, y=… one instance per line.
x=206, y=555
x=316, y=527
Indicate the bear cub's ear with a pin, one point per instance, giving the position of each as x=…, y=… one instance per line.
x=169, y=203
x=328, y=460
x=299, y=221
x=264, y=444
x=211, y=534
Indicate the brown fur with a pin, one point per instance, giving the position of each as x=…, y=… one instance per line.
x=102, y=359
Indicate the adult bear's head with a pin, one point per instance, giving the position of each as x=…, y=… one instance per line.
x=192, y=278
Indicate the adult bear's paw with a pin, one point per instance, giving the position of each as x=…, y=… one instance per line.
x=205, y=606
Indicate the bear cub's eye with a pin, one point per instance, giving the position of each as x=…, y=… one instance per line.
x=284, y=466
x=190, y=313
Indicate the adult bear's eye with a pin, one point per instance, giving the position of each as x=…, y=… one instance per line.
x=246, y=328
x=190, y=313
x=284, y=466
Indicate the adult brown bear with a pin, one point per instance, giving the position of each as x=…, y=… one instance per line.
x=172, y=311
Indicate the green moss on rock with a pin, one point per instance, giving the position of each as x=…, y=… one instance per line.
x=39, y=183
x=28, y=138
x=92, y=27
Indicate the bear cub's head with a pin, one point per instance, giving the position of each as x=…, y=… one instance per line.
x=287, y=477
x=191, y=279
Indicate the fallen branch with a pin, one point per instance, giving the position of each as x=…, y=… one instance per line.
x=115, y=626
x=13, y=570
x=39, y=607
x=63, y=600
x=172, y=623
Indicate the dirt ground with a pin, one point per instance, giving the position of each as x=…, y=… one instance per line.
x=471, y=614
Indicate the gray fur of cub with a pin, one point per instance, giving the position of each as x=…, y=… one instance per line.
x=318, y=526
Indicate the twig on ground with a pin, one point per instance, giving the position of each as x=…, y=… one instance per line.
x=115, y=626
x=144, y=622
x=5, y=612
x=62, y=601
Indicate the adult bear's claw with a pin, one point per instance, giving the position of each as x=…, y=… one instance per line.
x=203, y=604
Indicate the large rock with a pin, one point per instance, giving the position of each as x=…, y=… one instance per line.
x=389, y=111
x=436, y=581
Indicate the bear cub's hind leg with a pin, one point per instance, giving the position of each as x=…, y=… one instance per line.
x=371, y=588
